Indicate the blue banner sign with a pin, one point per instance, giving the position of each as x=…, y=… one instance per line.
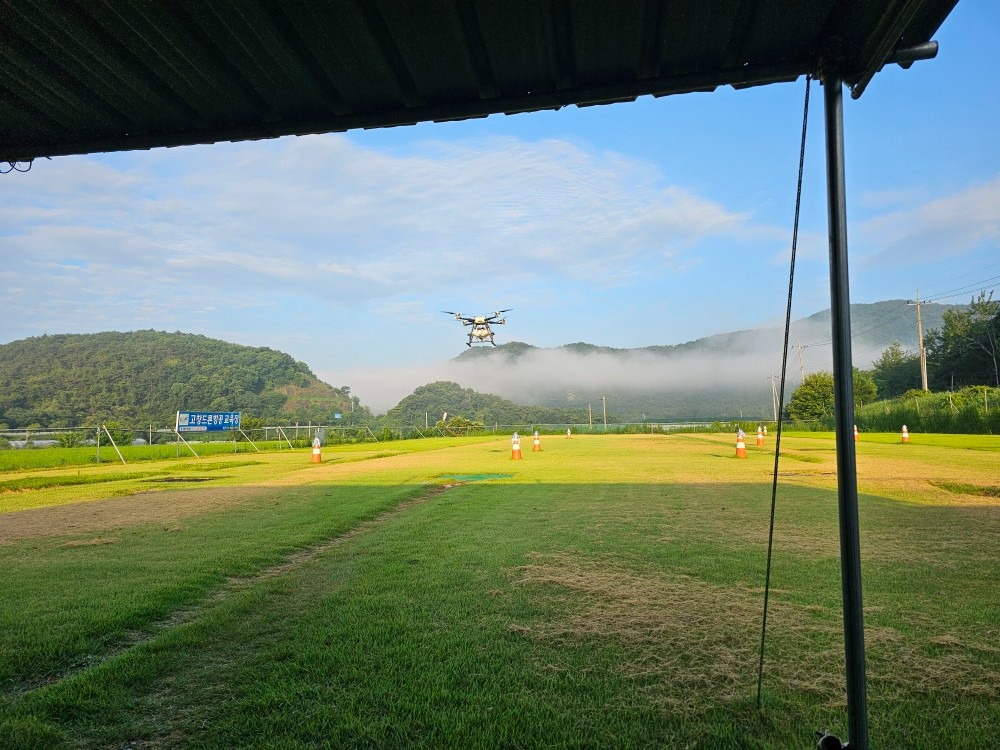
x=207, y=421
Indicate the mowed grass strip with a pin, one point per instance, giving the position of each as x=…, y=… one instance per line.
x=27, y=459
x=42, y=482
x=67, y=601
x=971, y=489
x=30, y=459
x=46, y=487
x=564, y=606
x=937, y=440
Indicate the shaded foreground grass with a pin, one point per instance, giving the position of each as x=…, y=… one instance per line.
x=607, y=595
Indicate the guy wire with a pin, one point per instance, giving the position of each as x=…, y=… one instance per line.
x=781, y=397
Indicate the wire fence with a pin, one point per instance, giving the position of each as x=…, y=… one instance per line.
x=38, y=447
x=279, y=437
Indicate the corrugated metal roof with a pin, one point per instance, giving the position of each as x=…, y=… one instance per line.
x=80, y=77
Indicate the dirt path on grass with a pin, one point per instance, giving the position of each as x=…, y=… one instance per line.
x=133, y=638
x=131, y=510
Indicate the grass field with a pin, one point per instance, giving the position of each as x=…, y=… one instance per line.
x=605, y=592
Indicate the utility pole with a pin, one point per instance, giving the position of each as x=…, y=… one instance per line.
x=802, y=369
x=774, y=397
x=590, y=415
x=923, y=352
x=604, y=406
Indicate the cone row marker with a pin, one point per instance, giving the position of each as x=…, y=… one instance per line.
x=515, y=447
x=741, y=446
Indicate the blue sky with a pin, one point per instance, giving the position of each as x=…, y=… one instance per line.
x=655, y=222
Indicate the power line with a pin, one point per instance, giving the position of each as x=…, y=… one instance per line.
x=901, y=312
x=903, y=308
x=898, y=312
x=963, y=275
x=958, y=291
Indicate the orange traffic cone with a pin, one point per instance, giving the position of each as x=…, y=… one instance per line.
x=760, y=436
x=569, y=433
x=905, y=435
x=515, y=447
x=741, y=446
x=855, y=433
x=317, y=454
x=765, y=430
x=538, y=444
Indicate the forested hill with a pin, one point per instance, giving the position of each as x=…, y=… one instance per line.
x=429, y=402
x=145, y=377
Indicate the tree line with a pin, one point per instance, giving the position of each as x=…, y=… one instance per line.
x=962, y=354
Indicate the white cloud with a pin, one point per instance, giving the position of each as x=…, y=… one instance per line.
x=948, y=226
x=158, y=238
x=893, y=197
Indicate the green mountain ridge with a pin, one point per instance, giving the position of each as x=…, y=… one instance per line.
x=145, y=377
x=427, y=404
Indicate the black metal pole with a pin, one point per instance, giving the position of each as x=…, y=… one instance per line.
x=843, y=385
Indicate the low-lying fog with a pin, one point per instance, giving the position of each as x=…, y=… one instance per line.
x=743, y=360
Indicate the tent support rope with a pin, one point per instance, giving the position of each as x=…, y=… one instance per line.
x=781, y=397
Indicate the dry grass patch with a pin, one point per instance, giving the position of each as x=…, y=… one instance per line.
x=967, y=538
x=945, y=664
x=695, y=639
x=90, y=542
x=698, y=642
x=929, y=476
x=133, y=510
